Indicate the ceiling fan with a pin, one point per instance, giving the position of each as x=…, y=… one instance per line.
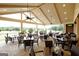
x=28, y=17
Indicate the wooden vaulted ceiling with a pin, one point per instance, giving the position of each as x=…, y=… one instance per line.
x=46, y=13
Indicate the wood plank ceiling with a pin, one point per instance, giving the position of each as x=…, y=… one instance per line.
x=46, y=13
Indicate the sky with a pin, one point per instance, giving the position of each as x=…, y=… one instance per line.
x=16, y=24
x=8, y=24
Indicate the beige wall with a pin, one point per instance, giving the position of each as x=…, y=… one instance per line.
x=76, y=27
x=77, y=30
x=76, y=11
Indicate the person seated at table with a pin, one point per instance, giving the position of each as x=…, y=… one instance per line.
x=45, y=36
x=68, y=43
x=8, y=38
x=30, y=35
x=57, y=51
x=51, y=39
x=20, y=38
x=73, y=36
x=50, y=33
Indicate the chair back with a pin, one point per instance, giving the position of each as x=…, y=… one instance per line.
x=49, y=44
x=74, y=51
x=28, y=42
x=45, y=36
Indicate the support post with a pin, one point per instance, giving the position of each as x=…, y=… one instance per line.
x=21, y=23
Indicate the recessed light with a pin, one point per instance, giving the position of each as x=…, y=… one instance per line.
x=65, y=12
x=64, y=5
x=48, y=10
x=66, y=18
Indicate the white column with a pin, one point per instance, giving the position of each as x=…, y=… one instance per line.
x=21, y=23
x=64, y=31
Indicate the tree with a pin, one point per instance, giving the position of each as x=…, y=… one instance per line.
x=16, y=29
x=60, y=28
x=30, y=30
x=57, y=28
x=54, y=28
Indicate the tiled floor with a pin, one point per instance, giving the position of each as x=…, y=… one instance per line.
x=13, y=50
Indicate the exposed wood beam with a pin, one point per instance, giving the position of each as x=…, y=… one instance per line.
x=2, y=13
x=41, y=5
x=38, y=6
x=15, y=6
x=25, y=14
x=37, y=17
x=45, y=15
x=57, y=13
x=9, y=19
x=19, y=5
x=15, y=20
x=34, y=21
x=24, y=21
x=13, y=12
